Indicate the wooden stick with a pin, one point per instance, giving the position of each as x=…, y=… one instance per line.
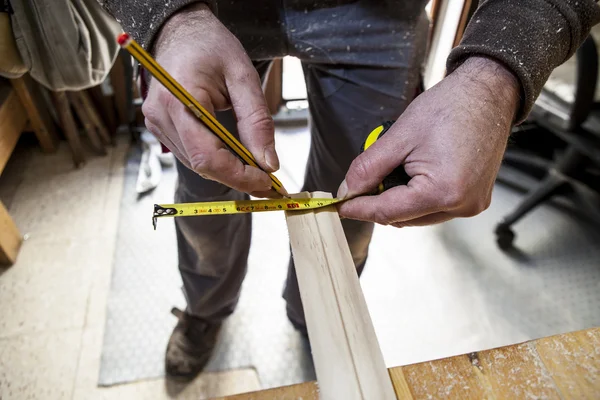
x=346, y=353
x=31, y=97
x=86, y=122
x=68, y=126
x=10, y=238
x=88, y=105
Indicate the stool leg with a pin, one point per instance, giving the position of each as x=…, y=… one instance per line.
x=10, y=238
x=86, y=121
x=87, y=103
x=31, y=98
x=68, y=125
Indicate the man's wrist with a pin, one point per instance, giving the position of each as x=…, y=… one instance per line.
x=498, y=83
x=179, y=23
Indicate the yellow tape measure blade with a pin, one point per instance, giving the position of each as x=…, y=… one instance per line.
x=237, y=207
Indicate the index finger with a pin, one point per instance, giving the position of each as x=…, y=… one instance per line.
x=209, y=157
x=398, y=204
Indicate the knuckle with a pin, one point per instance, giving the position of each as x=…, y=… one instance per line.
x=382, y=217
x=261, y=119
x=203, y=97
x=201, y=164
x=359, y=170
x=453, y=199
x=478, y=206
x=455, y=195
x=244, y=75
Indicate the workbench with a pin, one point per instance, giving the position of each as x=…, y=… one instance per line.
x=565, y=366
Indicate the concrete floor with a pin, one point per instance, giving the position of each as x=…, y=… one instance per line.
x=53, y=299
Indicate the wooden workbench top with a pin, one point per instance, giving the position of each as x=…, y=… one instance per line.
x=558, y=367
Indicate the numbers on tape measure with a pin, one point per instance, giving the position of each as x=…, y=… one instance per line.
x=191, y=209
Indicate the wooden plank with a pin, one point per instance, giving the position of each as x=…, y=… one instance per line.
x=400, y=384
x=13, y=119
x=63, y=107
x=564, y=366
x=31, y=97
x=451, y=378
x=573, y=361
x=347, y=357
x=10, y=238
x=516, y=372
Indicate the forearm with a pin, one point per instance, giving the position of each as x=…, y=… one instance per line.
x=529, y=37
x=144, y=18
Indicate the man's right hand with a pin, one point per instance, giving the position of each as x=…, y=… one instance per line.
x=209, y=62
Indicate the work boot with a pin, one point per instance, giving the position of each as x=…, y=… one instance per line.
x=190, y=346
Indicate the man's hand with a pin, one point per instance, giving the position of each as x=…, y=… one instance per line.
x=207, y=60
x=451, y=140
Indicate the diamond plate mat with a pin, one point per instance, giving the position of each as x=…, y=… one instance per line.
x=432, y=292
x=146, y=284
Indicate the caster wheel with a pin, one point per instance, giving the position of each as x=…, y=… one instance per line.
x=504, y=237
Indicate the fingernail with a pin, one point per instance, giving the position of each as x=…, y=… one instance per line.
x=342, y=190
x=271, y=159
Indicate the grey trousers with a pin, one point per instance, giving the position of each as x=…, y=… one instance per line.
x=361, y=62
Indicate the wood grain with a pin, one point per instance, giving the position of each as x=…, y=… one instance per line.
x=564, y=366
x=455, y=377
x=63, y=106
x=92, y=113
x=31, y=97
x=10, y=238
x=348, y=360
x=573, y=361
x=13, y=119
x=86, y=122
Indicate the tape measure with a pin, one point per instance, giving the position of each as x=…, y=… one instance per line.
x=237, y=207
x=397, y=177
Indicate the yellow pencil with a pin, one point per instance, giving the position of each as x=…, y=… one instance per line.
x=195, y=107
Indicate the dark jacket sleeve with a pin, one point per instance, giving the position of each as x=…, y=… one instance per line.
x=142, y=19
x=530, y=37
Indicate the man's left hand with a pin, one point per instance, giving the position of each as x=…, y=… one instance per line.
x=451, y=140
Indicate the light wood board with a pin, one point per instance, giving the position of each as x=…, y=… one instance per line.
x=565, y=366
x=348, y=361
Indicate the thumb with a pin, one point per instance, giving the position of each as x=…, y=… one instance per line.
x=369, y=169
x=254, y=121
